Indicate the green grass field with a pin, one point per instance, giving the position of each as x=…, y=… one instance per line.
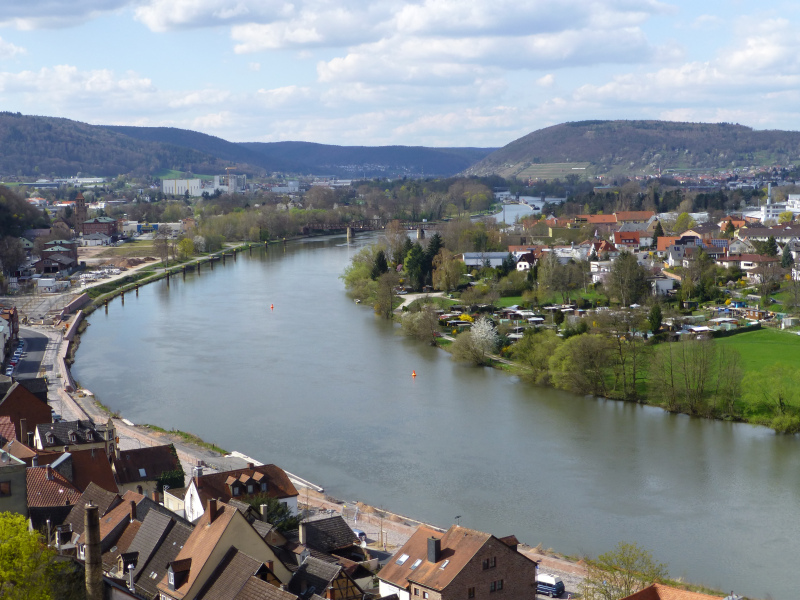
x=553, y=170
x=765, y=347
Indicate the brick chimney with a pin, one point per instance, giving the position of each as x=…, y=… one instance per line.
x=212, y=510
x=94, y=558
x=49, y=473
x=133, y=510
x=250, y=466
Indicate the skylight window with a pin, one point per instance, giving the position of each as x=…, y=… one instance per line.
x=417, y=563
x=444, y=564
x=142, y=473
x=402, y=559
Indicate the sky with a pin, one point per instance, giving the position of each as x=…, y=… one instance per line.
x=427, y=73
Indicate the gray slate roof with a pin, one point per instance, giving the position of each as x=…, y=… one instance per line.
x=230, y=576
x=154, y=572
x=154, y=529
x=317, y=575
x=61, y=430
x=329, y=535
x=257, y=589
x=94, y=494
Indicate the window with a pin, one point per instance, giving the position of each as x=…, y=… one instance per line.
x=496, y=586
x=402, y=559
x=417, y=563
x=263, y=486
x=471, y=592
x=489, y=563
x=444, y=564
x=5, y=488
x=142, y=473
x=250, y=488
x=171, y=578
x=416, y=591
x=236, y=490
x=424, y=594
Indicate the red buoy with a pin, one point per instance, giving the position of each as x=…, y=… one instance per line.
x=272, y=307
x=413, y=373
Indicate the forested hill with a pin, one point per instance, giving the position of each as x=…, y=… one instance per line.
x=634, y=147
x=33, y=146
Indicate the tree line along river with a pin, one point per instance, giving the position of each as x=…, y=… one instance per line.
x=322, y=388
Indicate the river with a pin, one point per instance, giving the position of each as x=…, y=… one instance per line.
x=322, y=388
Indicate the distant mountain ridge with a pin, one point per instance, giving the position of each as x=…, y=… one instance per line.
x=632, y=147
x=36, y=146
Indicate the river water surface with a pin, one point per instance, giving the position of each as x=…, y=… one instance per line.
x=322, y=388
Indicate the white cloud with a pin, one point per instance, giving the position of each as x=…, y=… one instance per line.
x=284, y=96
x=547, y=81
x=9, y=50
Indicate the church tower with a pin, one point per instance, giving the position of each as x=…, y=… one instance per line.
x=80, y=213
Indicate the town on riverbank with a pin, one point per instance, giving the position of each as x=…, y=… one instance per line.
x=529, y=314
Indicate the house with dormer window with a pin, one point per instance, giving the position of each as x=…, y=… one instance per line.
x=78, y=435
x=458, y=564
x=267, y=480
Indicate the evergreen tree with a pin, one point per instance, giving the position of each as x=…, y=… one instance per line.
x=379, y=266
x=508, y=265
x=407, y=245
x=658, y=231
x=434, y=246
x=654, y=318
x=771, y=247
x=729, y=230
x=787, y=260
x=414, y=266
x=593, y=255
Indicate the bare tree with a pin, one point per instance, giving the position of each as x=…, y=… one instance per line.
x=422, y=324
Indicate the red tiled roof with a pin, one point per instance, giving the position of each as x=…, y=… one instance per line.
x=634, y=215
x=664, y=242
x=750, y=258
x=53, y=491
x=215, y=485
x=627, y=237
x=598, y=219
x=198, y=548
x=19, y=403
x=88, y=466
x=153, y=461
x=458, y=545
x=7, y=431
x=658, y=591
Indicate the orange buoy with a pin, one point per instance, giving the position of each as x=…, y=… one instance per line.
x=272, y=307
x=413, y=373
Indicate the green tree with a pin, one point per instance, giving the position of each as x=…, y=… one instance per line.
x=277, y=514
x=534, y=351
x=27, y=565
x=627, y=279
x=654, y=318
x=622, y=572
x=185, y=248
x=787, y=260
x=12, y=254
x=379, y=265
x=582, y=364
x=683, y=222
x=435, y=245
x=447, y=270
x=771, y=246
x=414, y=266
x=477, y=344
x=385, y=294
x=508, y=265
x=658, y=231
x=730, y=230
x=422, y=324
x=785, y=217
x=356, y=276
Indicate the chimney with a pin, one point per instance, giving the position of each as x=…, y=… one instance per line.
x=94, y=558
x=434, y=549
x=66, y=448
x=133, y=510
x=330, y=593
x=263, y=510
x=156, y=496
x=35, y=460
x=23, y=429
x=29, y=440
x=303, y=533
x=49, y=473
x=250, y=466
x=212, y=510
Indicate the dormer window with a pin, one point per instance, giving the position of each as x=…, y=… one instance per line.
x=50, y=438
x=171, y=579
x=72, y=437
x=263, y=486
x=237, y=490
x=250, y=488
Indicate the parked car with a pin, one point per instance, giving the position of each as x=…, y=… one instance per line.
x=549, y=585
x=9, y=371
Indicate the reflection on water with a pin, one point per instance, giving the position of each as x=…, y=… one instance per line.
x=320, y=386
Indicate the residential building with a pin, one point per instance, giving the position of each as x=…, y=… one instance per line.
x=461, y=563
x=25, y=409
x=76, y=435
x=50, y=496
x=319, y=576
x=141, y=469
x=13, y=496
x=80, y=467
x=220, y=528
x=105, y=225
x=266, y=480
